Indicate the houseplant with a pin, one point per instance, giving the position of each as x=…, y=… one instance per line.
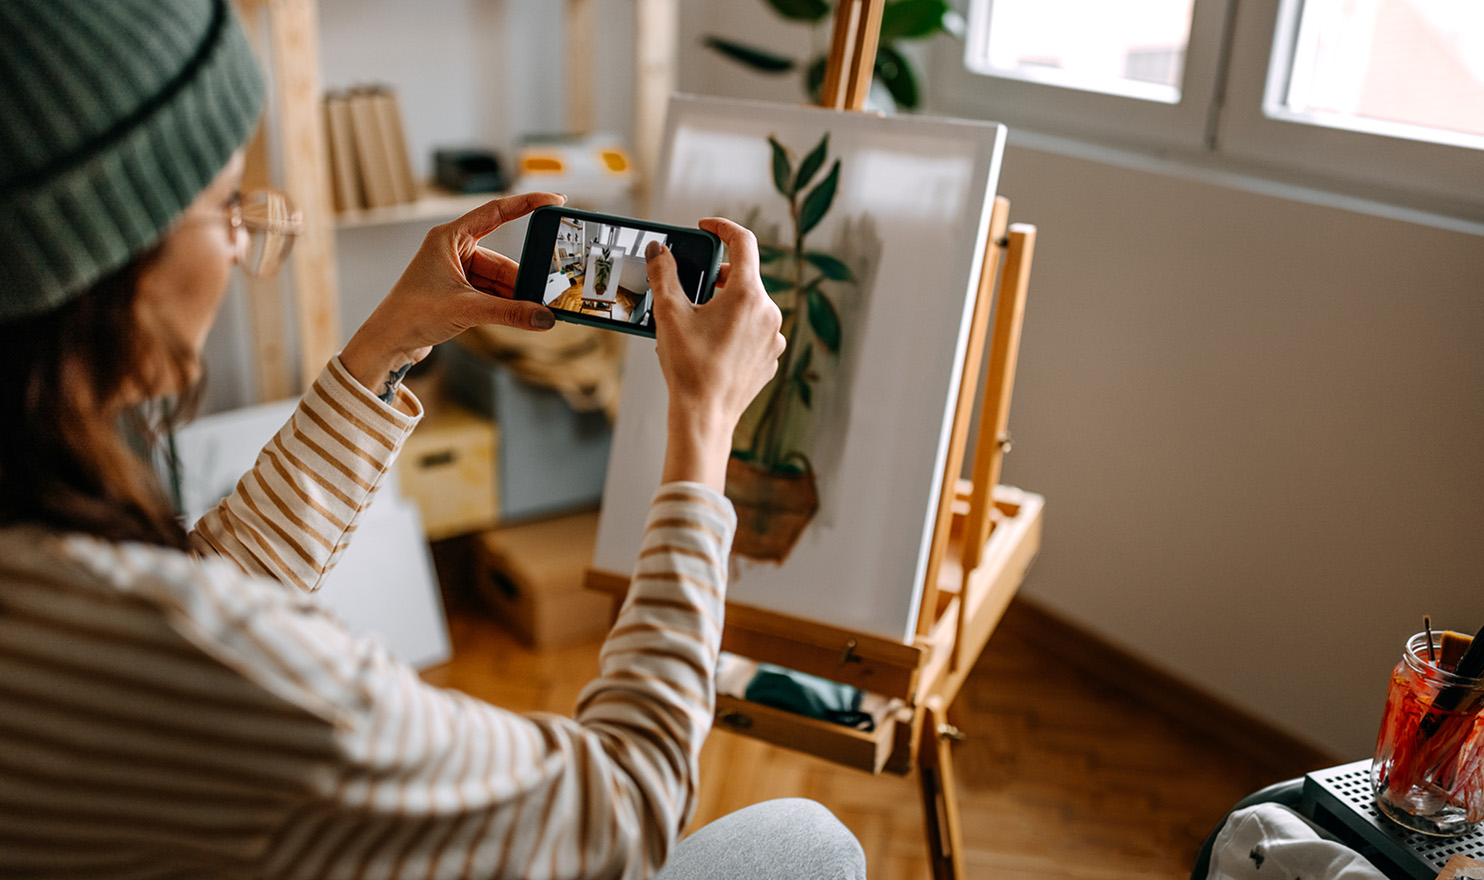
x=901, y=21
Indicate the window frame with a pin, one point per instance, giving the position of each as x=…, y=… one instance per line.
x=1254, y=128
x=1077, y=113
x=1225, y=121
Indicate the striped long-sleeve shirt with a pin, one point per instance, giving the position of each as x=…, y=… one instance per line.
x=164, y=715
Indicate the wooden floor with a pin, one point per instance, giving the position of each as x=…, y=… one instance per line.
x=1060, y=777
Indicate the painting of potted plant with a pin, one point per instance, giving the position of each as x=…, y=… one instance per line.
x=770, y=478
x=603, y=270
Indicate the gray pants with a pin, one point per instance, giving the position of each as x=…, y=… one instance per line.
x=788, y=838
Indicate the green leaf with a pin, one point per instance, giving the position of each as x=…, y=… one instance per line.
x=823, y=319
x=832, y=268
x=913, y=19
x=806, y=392
x=783, y=169
x=767, y=253
x=788, y=467
x=818, y=202
x=801, y=10
x=758, y=59
x=774, y=284
x=802, y=366
x=895, y=72
x=812, y=163
x=814, y=77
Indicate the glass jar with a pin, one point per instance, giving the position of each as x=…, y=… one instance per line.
x=1428, y=774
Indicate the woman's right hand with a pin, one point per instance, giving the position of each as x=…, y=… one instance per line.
x=715, y=357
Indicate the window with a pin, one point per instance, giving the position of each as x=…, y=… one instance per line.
x=1407, y=68
x=1377, y=99
x=1134, y=48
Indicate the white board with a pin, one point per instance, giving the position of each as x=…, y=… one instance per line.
x=384, y=584
x=907, y=222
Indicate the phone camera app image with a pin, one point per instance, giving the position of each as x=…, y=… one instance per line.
x=598, y=270
x=590, y=268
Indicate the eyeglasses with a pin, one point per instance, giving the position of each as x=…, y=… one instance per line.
x=262, y=225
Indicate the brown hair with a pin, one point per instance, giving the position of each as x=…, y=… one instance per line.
x=66, y=378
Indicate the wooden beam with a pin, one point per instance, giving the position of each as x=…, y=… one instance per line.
x=300, y=129
x=999, y=384
x=863, y=55
x=579, y=32
x=852, y=58
x=263, y=297
x=656, y=34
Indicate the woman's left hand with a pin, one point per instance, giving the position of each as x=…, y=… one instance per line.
x=451, y=284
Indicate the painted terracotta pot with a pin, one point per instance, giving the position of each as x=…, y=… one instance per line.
x=773, y=509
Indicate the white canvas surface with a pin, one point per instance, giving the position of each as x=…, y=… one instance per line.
x=913, y=206
x=384, y=585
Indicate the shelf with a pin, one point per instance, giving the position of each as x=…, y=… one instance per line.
x=433, y=204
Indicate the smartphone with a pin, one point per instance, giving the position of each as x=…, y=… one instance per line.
x=589, y=268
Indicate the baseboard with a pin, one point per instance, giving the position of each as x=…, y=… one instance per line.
x=1284, y=755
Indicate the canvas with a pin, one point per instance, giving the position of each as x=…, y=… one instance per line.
x=871, y=232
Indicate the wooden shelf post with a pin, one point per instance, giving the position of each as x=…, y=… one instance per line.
x=296, y=123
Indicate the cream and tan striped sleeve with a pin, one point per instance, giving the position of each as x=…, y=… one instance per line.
x=436, y=784
x=292, y=516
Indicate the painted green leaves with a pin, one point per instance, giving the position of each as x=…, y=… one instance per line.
x=823, y=319
x=790, y=182
x=798, y=278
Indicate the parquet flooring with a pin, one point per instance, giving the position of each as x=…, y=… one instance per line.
x=1060, y=776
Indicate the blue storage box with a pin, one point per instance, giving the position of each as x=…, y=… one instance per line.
x=552, y=459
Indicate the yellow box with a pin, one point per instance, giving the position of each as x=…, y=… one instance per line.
x=447, y=468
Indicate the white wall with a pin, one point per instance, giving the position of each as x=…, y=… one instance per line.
x=1258, y=423
x=1259, y=427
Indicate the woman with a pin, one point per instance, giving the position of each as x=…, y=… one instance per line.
x=173, y=703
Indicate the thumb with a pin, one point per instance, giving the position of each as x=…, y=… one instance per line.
x=663, y=278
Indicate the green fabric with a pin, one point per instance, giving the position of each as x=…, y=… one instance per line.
x=114, y=115
x=810, y=695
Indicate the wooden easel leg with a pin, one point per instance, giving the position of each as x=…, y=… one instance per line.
x=940, y=794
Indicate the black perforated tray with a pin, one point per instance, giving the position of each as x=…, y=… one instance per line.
x=1344, y=792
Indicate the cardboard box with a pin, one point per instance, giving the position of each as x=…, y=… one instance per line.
x=531, y=576
x=447, y=469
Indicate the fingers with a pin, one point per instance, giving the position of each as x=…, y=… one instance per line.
x=492, y=272
x=489, y=216
x=740, y=242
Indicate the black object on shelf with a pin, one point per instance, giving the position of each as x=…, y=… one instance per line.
x=468, y=171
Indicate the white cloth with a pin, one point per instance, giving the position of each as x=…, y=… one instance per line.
x=1272, y=842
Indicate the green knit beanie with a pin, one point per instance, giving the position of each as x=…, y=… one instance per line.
x=114, y=116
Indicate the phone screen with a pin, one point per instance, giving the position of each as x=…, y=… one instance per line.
x=594, y=268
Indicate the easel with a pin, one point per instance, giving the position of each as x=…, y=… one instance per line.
x=984, y=540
